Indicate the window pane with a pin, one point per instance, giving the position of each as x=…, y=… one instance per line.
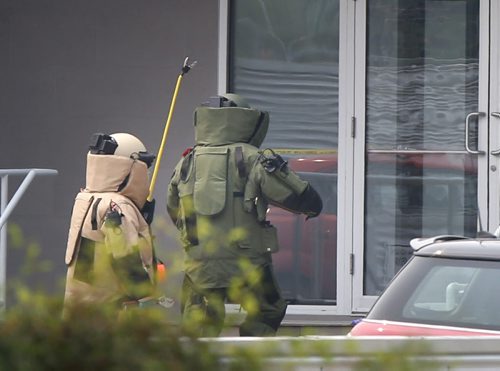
x=283, y=58
x=422, y=67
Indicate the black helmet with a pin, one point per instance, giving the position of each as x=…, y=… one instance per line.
x=226, y=100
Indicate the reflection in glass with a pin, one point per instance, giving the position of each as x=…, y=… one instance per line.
x=283, y=58
x=422, y=81
x=430, y=197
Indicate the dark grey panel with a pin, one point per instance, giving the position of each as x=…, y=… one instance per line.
x=69, y=68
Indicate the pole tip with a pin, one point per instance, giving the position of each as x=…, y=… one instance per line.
x=187, y=66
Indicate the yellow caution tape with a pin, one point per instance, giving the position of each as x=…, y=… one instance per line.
x=305, y=151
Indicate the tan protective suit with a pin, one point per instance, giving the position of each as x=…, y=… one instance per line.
x=110, y=260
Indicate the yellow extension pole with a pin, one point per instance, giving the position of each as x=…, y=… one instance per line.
x=185, y=69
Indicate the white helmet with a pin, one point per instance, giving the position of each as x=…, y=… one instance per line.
x=121, y=144
x=128, y=145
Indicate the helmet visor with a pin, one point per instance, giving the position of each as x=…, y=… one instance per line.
x=146, y=157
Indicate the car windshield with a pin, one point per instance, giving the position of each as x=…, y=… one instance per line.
x=440, y=291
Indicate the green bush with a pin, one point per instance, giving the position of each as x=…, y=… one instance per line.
x=37, y=337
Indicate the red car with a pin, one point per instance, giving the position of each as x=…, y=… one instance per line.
x=448, y=287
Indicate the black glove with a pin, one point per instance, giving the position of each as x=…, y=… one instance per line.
x=148, y=211
x=314, y=202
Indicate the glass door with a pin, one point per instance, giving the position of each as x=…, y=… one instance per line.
x=420, y=157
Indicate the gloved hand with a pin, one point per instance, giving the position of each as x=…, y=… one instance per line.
x=148, y=302
x=314, y=202
x=148, y=211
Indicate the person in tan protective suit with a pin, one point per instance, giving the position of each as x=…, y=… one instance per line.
x=109, y=254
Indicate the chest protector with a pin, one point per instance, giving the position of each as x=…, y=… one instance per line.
x=92, y=250
x=212, y=183
x=211, y=189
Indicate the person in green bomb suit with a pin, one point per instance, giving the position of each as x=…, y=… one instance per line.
x=218, y=197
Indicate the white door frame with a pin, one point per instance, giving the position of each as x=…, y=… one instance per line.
x=359, y=302
x=494, y=104
x=346, y=145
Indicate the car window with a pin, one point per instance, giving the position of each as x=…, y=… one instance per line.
x=442, y=291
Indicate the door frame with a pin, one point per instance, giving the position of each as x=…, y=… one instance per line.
x=493, y=202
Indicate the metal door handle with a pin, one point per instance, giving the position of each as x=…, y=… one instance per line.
x=467, y=124
x=496, y=152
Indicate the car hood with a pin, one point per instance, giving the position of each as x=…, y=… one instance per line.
x=369, y=327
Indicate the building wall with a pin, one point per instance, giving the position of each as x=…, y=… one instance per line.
x=69, y=68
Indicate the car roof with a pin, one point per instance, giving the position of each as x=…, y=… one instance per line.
x=457, y=247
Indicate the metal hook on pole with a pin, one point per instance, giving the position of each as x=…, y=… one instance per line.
x=186, y=67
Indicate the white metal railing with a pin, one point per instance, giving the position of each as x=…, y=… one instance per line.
x=6, y=208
